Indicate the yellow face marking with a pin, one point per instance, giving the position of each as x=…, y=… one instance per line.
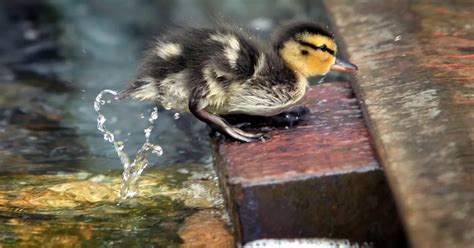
x=319, y=67
x=315, y=62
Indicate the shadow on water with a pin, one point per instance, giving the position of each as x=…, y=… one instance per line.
x=59, y=179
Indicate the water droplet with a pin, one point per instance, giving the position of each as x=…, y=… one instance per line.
x=120, y=145
x=101, y=120
x=397, y=38
x=148, y=132
x=153, y=115
x=176, y=116
x=109, y=137
x=157, y=150
x=97, y=106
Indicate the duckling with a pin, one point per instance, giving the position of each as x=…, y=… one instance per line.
x=216, y=72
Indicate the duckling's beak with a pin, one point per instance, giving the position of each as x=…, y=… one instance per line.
x=343, y=66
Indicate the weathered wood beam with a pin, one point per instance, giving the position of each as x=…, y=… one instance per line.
x=416, y=84
x=316, y=179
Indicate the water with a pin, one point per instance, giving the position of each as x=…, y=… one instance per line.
x=176, y=116
x=80, y=209
x=131, y=170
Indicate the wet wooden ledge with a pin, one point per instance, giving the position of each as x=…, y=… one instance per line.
x=316, y=179
x=416, y=84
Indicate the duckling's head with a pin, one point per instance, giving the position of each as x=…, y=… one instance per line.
x=309, y=49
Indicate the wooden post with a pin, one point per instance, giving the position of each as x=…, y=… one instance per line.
x=316, y=179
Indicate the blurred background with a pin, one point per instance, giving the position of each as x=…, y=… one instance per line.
x=57, y=55
x=58, y=177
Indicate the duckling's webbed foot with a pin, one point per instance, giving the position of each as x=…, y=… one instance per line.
x=287, y=118
x=219, y=124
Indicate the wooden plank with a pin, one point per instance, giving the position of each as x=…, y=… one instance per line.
x=316, y=179
x=416, y=83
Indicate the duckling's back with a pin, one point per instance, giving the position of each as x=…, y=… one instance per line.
x=219, y=63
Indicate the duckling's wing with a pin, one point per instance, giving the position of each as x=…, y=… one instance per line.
x=238, y=59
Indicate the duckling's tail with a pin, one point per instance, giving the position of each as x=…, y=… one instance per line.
x=139, y=89
x=124, y=94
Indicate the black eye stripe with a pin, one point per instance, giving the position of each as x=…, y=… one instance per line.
x=322, y=48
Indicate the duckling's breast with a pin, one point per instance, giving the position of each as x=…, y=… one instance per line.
x=263, y=98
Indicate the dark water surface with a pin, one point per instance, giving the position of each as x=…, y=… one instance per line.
x=58, y=177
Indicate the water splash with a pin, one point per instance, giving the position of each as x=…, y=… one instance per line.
x=131, y=170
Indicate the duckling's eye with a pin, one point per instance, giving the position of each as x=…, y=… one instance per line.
x=304, y=52
x=323, y=47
